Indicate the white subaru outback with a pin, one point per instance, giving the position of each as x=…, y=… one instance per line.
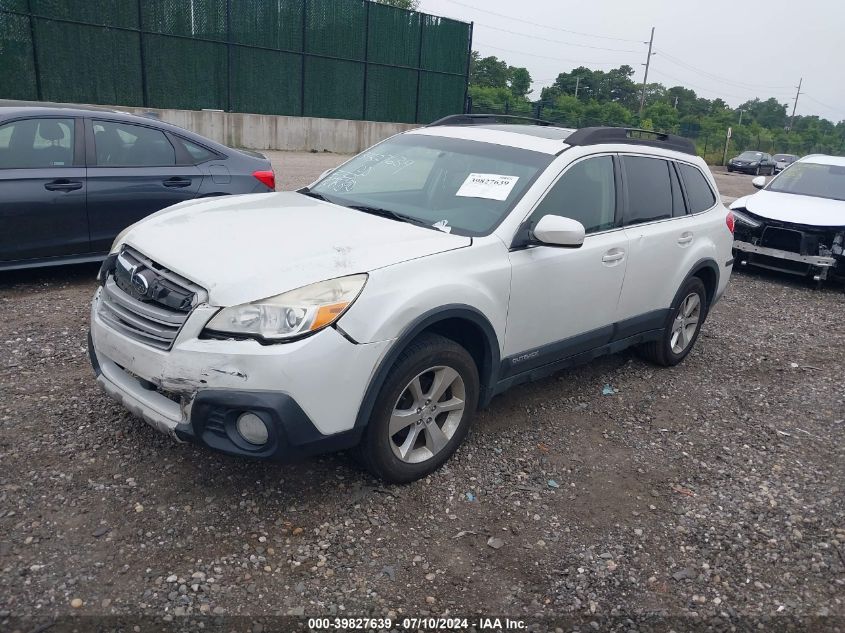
x=379, y=307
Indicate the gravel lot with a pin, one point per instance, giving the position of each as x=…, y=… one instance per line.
x=711, y=491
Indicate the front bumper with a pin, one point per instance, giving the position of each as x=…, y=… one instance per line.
x=307, y=392
x=821, y=263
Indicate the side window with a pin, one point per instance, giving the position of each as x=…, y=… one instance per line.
x=679, y=208
x=586, y=192
x=197, y=153
x=649, y=189
x=36, y=143
x=699, y=193
x=127, y=145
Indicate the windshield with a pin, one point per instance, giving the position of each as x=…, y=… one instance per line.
x=784, y=158
x=464, y=187
x=811, y=179
x=750, y=156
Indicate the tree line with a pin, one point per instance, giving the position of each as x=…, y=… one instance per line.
x=583, y=97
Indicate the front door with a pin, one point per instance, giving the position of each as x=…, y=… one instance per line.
x=564, y=300
x=132, y=173
x=42, y=190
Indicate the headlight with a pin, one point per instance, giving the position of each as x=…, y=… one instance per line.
x=747, y=220
x=291, y=314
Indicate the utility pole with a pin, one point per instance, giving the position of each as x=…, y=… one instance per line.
x=577, y=81
x=645, y=77
x=740, y=115
x=795, y=105
x=676, y=103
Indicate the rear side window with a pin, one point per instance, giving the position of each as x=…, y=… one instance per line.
x=699, y=193
x=649, y=189
x=127, y=145
x=197, y=153
x=36, y=143
x=586, y=192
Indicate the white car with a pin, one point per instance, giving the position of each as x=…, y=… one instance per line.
x=796, y=224
x=382, y=305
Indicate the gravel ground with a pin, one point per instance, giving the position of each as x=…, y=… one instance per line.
x=710, y=492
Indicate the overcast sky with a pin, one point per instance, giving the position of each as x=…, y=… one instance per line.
x=733, y=49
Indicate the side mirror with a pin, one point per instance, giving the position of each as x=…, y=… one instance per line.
x=759, y=182
x=556, y=230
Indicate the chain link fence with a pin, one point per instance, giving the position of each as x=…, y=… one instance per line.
x=344, y=59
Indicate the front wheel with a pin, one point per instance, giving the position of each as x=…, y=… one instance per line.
x=423, y=411
x=681, y=332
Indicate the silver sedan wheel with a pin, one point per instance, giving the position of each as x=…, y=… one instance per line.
x=686, y=323
x=427, y=414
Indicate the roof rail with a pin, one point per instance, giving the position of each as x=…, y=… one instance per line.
x=477, y=119
x=630, y=136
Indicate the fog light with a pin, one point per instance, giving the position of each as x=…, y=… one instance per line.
x=252, y=429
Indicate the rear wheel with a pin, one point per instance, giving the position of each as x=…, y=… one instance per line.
x=423, y=411
x=685, y=321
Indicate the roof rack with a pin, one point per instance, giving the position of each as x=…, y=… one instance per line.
x=478, y=119
x=630, y=136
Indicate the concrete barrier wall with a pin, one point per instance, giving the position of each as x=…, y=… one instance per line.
x=266, y=131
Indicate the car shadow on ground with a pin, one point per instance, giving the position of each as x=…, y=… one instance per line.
x=50, y=275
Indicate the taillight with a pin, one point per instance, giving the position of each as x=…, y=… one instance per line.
x=730, y=221
x=267, y=177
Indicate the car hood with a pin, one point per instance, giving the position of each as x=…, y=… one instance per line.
x=788, y=207
x=245, y=248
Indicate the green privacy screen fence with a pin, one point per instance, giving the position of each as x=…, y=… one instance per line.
x=345, y=59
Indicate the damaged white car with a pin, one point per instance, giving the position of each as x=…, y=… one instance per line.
x=796, y=224
x=380, y=306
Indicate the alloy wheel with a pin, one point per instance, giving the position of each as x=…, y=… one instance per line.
x=686, y=323
x=427, y=414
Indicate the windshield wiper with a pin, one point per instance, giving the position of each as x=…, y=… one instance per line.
x=305, y=191
x=393, y=215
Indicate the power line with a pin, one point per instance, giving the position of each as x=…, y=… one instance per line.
x=684, y=83
x=823, y=104
x=545, y=39
x=679, y=62
x=556, y=59
x=545, y=26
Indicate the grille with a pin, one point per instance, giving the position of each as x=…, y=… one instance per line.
x=782, y=239
x=145, y=301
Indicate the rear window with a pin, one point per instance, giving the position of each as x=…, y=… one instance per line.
x=649, y=189
x=699, y=193
x=198, y=153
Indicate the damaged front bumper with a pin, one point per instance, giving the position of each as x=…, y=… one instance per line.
x=196, y=390
x=786, y=247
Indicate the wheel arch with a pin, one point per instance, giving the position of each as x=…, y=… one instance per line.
x=463, y=324
x=708, y=271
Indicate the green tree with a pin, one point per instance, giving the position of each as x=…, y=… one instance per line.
x=488, y=72
x=520, y=81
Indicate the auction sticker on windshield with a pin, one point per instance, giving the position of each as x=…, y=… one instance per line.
x=490, y=186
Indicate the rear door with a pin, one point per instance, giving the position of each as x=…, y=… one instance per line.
x=661, y=235
x=42, y=189
x=133, y=170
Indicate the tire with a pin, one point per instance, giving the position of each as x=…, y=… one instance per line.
x=666, y=351
x=422, y=446
x=730, y=171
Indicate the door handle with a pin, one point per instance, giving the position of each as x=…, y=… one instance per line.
x=63, y=184
x=685, y=239
x=613, y=256
x=177, y=182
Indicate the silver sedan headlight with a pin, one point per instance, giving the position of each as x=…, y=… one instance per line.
x=291, y=314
